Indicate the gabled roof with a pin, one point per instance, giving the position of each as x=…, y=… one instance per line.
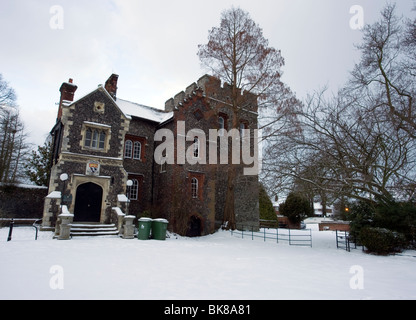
x=132, y=109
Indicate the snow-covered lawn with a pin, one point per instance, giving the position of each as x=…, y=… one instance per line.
x=216, y=267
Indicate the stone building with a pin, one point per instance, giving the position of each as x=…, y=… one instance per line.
x=105, y=147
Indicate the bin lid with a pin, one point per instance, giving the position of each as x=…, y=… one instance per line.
x=145, y=219
x=161, y=220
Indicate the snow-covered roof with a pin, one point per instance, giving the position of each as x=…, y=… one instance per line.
x=144, y=112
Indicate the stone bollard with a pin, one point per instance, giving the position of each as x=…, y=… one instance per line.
x=120, y=220
x=128, y=228
x=65, y=226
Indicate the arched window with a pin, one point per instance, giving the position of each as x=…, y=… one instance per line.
x=242, y=127
x=196, y=148
x=128, y=149
x=221, y=123
x=137, y=150
x=194, y=188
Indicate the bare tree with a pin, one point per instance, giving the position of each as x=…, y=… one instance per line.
x=7, y=94
x=238, y=53
x=12, y=136
x=385, y=76
x=346, y=149
x=360, y=143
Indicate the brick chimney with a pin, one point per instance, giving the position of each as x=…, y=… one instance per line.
x=67, y=95
x=111, y=85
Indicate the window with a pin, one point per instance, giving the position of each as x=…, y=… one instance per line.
x=101, y=144
x=243, y=126
x=128, y=149
x=194, y=188
x=196, y=148
x=222, y=123
x=137, y=151
x=134, y=190
x=196, y=185
x=134, y=147
x=163, y=162
x=95, y=139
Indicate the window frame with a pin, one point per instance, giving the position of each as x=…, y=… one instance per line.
x=134, y=190
x=196, y=147
x=137, y=152
x=196, y=182
x=194, y=188
x=128, y=149
x=95, y=137
x=138, y=147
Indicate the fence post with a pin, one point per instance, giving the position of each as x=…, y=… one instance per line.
x=9, y=238
x=310, y=237
x=290, y=242
x=336, y=235
x=252, y=232
x=264, y=231
x=347, y=240
x=277, y=235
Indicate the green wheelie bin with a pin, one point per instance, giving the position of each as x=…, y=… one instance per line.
x=145, y=225
x=159, y=227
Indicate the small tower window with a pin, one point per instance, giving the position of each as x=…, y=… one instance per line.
x=194, y=188
x=196, y=148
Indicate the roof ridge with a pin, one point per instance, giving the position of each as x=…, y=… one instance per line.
x=142, y=105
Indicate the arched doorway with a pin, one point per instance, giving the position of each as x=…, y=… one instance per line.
x=88, y=202
x=194, y=227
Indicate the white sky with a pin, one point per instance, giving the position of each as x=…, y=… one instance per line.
x=152, y=46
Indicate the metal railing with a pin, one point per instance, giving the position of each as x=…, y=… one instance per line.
x=292, y=236
x=13, y=225
x=344, y=240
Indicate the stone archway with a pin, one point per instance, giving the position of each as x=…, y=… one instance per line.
x=194, y=227
x=88, y=203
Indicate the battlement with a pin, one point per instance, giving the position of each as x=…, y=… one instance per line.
x=210, y=87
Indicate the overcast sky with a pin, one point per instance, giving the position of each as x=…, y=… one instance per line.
x=152, y=46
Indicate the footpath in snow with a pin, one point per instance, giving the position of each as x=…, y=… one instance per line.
x=216, y=267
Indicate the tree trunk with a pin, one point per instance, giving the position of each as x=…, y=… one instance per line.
x=229, y=213
x=229, y=209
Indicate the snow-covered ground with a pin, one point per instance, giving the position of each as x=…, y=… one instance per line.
x=216, y=267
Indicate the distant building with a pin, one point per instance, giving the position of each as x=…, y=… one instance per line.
x=318, y=210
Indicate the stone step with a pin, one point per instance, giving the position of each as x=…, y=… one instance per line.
x=91, y=230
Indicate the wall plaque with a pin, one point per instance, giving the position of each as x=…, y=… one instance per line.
x=93, y=168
